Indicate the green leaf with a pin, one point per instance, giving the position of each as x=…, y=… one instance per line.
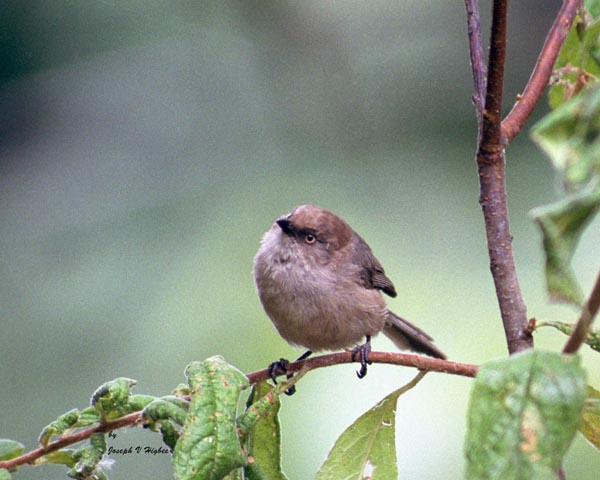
x=60, y=457
x=88, y=458
x=166, y=412
x=592, y=6
x=167, y=408
x=524, y=411
x=88, y=416
x=590, y=423
x=209, y=447
x=138, y=402
x=562, y=224
x=367, y=448
x=5, y=474
x=264, y=437
x=112, y=398
x=570, y=136
x=593, y=338
x=58, y=426
x=577, y=63
x=10, y=449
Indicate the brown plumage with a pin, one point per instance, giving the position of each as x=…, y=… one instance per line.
x=321, y=285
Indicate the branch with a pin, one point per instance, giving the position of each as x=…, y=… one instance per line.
x=422, y=363
x=29, y=457
x=514, y=121
x=588, y=313
x=492, y=197
x=477, y=60
x=403, y=359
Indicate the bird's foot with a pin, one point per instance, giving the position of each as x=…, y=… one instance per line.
x=362, y=351
x=280, y=367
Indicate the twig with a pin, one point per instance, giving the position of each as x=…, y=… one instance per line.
x=407, y=360
x=425, y=364
x=29, y=457
x=588, y=313
x=478, y=68
x=514, y=121
x=492, y=197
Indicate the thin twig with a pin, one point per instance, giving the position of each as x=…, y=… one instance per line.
x=403, y=359
x=425, y=364
x=514, y=121
x=588, y=313
x=29, y=457
x=477, y=57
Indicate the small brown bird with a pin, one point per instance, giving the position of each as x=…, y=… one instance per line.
x=321, y=285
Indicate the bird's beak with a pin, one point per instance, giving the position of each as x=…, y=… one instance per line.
x=285, y=225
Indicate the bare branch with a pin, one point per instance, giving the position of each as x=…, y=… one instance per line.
x=477, y=60
x=403, y=359
x=514, y=121
x=588, y=313
x=492, y=197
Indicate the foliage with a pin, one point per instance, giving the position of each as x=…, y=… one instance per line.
x=523, y=411
x=523, y=415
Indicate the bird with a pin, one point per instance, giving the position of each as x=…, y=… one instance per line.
x=321, y=285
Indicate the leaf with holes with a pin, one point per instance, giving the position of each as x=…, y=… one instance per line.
x=524, y=412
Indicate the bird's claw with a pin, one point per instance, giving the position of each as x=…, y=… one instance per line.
x=280, y=368
x=362, y=350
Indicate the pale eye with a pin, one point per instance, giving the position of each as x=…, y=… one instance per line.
x=310, y=238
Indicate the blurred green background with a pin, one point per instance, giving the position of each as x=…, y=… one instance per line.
x=145, y=146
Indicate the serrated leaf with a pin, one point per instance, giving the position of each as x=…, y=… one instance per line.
x=524, y=411
x=562, y=224
x=367, y=448
x=570, y=136
x=10, y=449
x=209, y=447
x=593, y=338
x=264, y=438
x=590, y=421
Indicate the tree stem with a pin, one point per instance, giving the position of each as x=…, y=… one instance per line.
x=492, y=197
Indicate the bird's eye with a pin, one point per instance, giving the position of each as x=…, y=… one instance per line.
x=310, y=238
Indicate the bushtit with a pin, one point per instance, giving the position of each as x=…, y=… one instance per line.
x=321, y=285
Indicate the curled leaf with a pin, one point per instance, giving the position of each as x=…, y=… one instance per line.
x=112, y=398
x=562, y=224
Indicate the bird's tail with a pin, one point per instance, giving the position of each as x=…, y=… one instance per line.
x=406, y=336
